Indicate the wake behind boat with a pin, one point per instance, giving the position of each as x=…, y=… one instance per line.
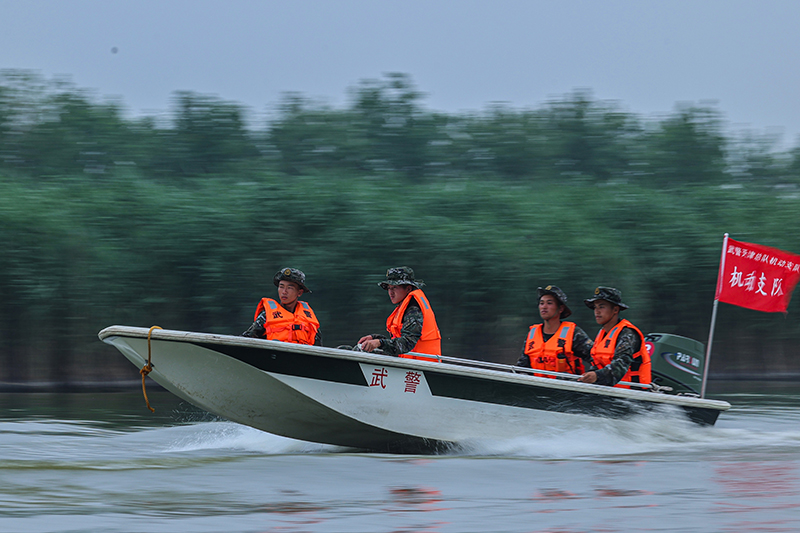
x=390, y=404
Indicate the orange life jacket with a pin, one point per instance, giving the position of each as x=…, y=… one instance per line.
x=603, y=353
x=431, y=340
x=546, y=355
x=299, y=327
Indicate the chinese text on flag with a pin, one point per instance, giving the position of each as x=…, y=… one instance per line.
x=757, y=277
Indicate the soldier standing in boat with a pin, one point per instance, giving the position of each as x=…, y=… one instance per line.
x=619, y=352
x=289, y=319
x=555, y=345
x=412, y=324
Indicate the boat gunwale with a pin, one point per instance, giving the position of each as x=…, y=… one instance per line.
x=463, y=367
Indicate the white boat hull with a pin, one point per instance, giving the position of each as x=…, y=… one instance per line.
x=374, y=402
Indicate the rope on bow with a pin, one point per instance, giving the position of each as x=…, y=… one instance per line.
x=148, y=366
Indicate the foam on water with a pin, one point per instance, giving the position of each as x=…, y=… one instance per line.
x=655, y=437
x=229, y=435
x=664, y=437
x=743, y=433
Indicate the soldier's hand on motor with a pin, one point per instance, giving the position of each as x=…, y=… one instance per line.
x=589, y=377
x=364, y=339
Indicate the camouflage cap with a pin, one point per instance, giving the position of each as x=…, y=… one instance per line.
x=609, y=294
x=293, y=275
x=400, y=276
x=560, y=296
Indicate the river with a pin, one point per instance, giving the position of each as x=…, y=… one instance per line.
x=102, y=462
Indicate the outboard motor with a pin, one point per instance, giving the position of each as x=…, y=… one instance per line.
x=677, y=362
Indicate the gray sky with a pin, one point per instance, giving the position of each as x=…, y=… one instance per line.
x=743, y=56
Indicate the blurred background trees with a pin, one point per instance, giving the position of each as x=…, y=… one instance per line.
x=181, y=220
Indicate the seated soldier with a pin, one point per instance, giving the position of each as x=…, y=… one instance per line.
x=291, y=320
x=412, y=324
x=555, y=345
x=619, y=352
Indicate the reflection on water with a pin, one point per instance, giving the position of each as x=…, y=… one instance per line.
x=102, y=462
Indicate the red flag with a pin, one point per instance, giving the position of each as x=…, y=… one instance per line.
x=757, y=277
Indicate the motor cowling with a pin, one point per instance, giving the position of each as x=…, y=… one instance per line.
x=677, y=362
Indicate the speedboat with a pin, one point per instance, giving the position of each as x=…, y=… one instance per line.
x=383, y=403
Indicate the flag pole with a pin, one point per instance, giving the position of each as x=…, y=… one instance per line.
x=714, y=317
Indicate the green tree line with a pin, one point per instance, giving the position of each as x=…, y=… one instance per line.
x=181, y=220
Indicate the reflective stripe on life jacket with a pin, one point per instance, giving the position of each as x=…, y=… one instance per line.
x=431, y=340
x=299, y=327
x=603, y=353
x=555, y=354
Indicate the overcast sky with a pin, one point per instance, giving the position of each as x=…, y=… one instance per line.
x=743, y=56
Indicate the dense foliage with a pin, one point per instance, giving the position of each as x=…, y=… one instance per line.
x=182, y=220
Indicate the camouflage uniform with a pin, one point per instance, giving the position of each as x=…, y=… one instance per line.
x=411, y=331
x=628, y=342
x=409, y=334
x=256, y=329
x=581, y=343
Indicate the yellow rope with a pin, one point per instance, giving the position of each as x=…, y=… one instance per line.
x=147, y=368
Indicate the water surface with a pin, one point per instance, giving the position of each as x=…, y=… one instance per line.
x=103, y=463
